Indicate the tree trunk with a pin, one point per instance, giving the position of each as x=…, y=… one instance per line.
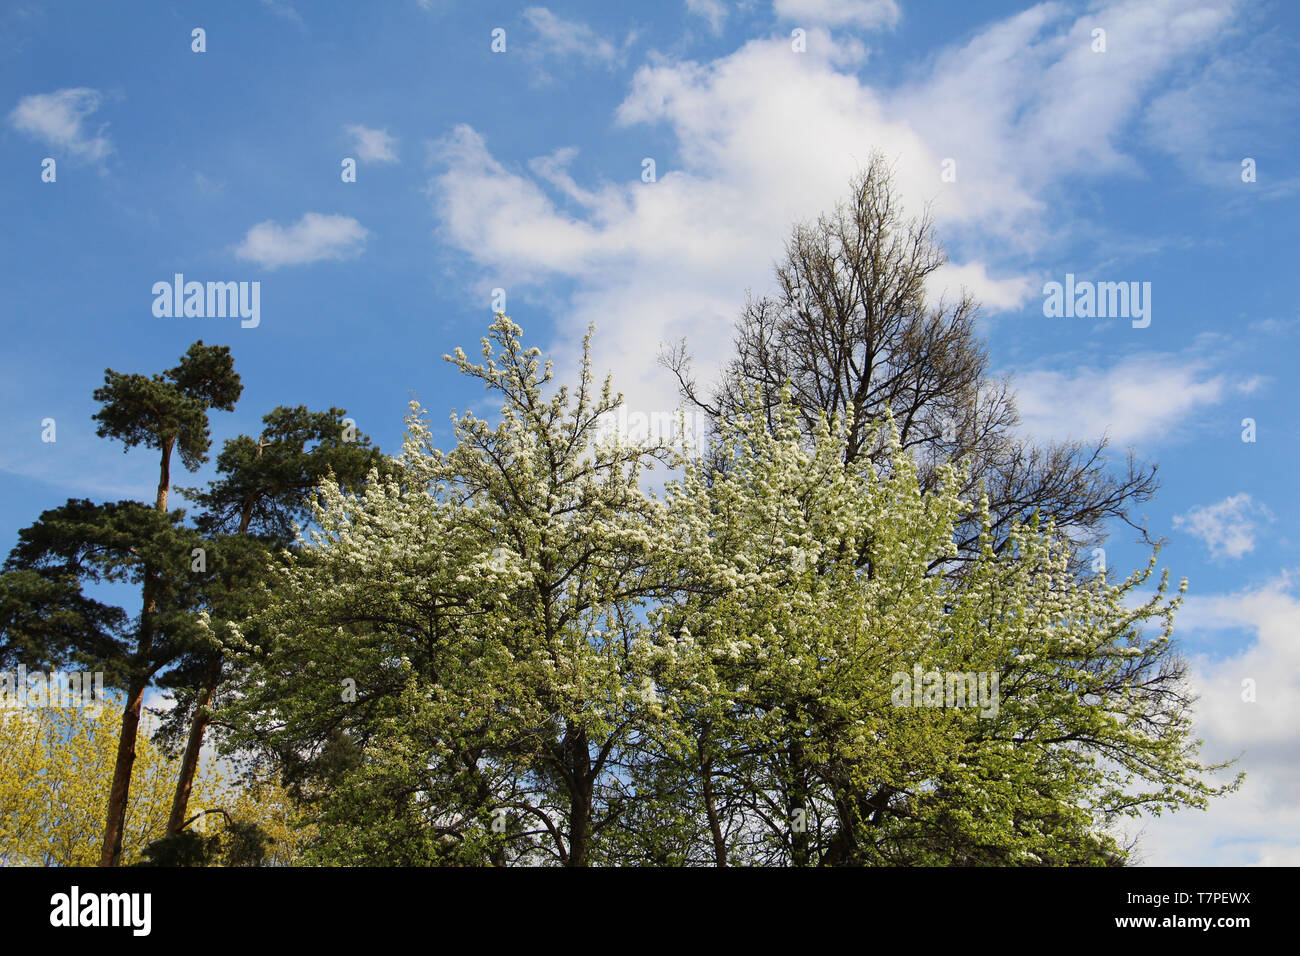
x=579, y=824
x=715, y=827
x=578, y=754
x=165, y=474
x=119, y=793
x=193, y=747
x=799, y=843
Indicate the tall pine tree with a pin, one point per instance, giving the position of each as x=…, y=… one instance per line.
x=48, y=618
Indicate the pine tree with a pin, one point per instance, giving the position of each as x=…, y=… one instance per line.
x=48, y=615
x=250, y=512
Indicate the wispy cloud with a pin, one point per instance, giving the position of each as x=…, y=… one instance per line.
x=1206, y=126
x=373, y=145
x=867, y=14
x=312, y=238
x=1138, y=398
x=284, y=10
x=58, y=120
x=1227, y=528
x=569, y=39
x=713, y=12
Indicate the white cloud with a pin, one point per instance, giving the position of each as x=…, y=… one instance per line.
x=1141, y=397
x=57, y=120
x=1228, y=527
x=373, y=145
x=1202, y=123
x=283, y=10
x=570, y=39
x=868, y=14
x=1025, y=104
x=206, y=184
x=997, y=295
x=312, y=238
x=1275, y=326
x=763, y=137
x=713, y=11
x=1260, y=825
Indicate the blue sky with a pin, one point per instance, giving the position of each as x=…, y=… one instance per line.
x=522, y=170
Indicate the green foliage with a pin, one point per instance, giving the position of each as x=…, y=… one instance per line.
x=191, y=578
x=482, y=604
x=160, y=411
x=265, y=482
x=54, y=785
x=509, y=652
x=247, y=514
x=49, y=620
x=46, y=616
x=240, y=843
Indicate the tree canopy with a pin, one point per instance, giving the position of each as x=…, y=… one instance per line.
x=511, y=652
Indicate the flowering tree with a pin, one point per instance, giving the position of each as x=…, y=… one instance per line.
x=483, y=604
x=798, y=735
x=509, y=652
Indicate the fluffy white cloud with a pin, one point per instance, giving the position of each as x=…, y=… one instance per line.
x=1259, y=825
x=373, y=145
x=868, y=14
x=1228, y=527
x=1141, y=397
x=312, y=238
x=763, y=137
x=57, y=119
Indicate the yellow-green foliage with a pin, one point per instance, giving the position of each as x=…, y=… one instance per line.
x=54, y=780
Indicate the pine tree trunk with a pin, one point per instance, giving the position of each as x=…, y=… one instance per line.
x=165, y=474
x=119, y=793
x=193, y=747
